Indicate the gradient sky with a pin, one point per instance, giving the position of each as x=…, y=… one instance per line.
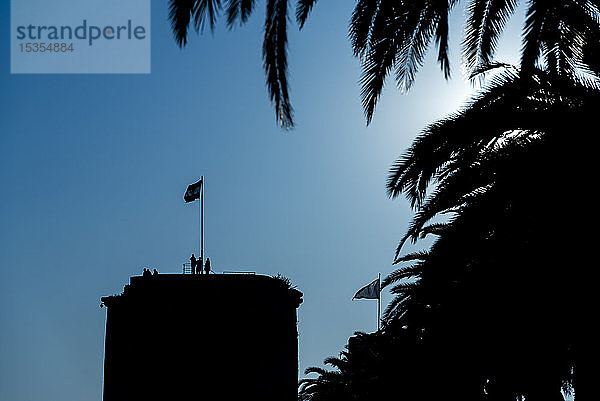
x=93, y=169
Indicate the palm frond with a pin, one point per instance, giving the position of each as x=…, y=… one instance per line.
x=402, y=274
x=314, y=369
x=435, y=229
x=420, y=255
x=405, y=287
x=336, y=363
x=586, y=77
x=486, y=20
x=415, y=46
x=385, y=41
x=275, y=60
x=239, y=10
x=361, y=24
x=441, y=41
x=481, y=70
x=206, y=13
x=534, y=22
x=180, y=15
x=394, y=308
x=413, y=172
x=303, y=8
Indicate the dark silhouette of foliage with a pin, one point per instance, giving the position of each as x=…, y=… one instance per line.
x=493, y=276
x=498, y=307
x=202, y=13
x=284, y=282
x=394, y=36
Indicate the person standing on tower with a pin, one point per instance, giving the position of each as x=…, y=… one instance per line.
x=193, y=263
x=207, y=266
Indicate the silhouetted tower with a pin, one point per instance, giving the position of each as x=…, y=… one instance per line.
x=191, y=337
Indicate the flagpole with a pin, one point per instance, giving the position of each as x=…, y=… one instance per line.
x=379, y=302
x=202, y=225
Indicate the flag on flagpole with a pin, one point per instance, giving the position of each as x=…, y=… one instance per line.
x=193, y=192
x=369, y=291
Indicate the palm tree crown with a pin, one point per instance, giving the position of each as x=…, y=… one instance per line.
x=496, y=169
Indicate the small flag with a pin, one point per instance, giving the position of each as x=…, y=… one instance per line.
x=369, y=291
x=193, y=192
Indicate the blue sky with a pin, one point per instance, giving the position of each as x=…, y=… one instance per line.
x=93, y=169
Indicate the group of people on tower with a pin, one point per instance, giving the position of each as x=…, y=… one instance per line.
x=147, y=273
x=197, y=265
